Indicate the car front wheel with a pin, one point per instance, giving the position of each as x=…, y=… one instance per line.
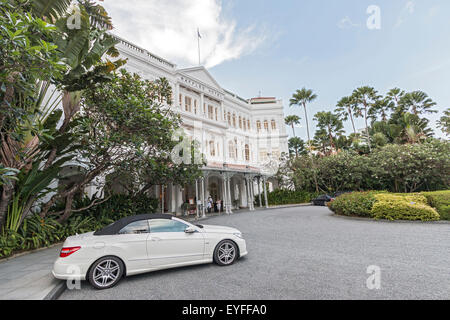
x=226, y=253
x=106, y=272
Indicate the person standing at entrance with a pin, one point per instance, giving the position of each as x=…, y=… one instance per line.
x=210, y=201
x=219, y=206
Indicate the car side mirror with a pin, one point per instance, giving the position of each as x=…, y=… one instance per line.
x=190, y=230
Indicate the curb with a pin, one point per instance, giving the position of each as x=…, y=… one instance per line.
x=388, y=221
x=56, y=291
x=20, y=254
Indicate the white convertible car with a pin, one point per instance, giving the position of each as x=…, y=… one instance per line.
x=144, y=243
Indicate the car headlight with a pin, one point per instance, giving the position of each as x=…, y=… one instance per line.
x=239, y=235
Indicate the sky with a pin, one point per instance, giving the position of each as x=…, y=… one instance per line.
x=273, y=48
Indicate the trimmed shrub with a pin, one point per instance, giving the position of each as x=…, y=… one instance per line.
x=37, y=232
x=281, y=197
x=394, y=207
x=440, y=200
x=408, y=197
x=354, y=204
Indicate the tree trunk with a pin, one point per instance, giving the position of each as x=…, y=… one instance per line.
x=353, y=121
x=367, y=128
x=7, y=194
x=307, y=126
x=67, y=209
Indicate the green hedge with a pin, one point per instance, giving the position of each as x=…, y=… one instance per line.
x=398, y=207
x=440, y=200
x=37, y=232
x=427, y=206
x=281, y=197
x=354, y=204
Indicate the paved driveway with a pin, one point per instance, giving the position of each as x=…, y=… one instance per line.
x=306, y=253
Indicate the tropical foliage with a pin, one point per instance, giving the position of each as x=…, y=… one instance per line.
x=64, y=104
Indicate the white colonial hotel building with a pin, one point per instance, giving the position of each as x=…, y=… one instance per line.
x=239, y=136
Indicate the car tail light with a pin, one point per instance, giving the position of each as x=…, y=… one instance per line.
x=65, y=252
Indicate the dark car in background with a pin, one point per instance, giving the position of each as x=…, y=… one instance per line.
x=323, y=199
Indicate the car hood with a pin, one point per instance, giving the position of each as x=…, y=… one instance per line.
x=219, y=229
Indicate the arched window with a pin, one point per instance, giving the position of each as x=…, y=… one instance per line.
x=248, y=124
x=266, y=125
x=234, y=120
x=274, y=125
x=229, y=119
x=258, y=126
x=247, y=153
x=231, y=150
x=212, y=148
x=245, y=124
x=187, y=103
x=240, y=122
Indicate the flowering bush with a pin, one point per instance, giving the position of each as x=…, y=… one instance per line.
x=395, y=168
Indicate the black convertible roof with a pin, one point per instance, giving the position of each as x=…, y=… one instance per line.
x=115, y=227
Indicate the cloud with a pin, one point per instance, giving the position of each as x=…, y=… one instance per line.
x=169, y=29
x=407, y=10
x=347, y=23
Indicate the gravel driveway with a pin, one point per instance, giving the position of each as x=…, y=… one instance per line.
x=306, y=253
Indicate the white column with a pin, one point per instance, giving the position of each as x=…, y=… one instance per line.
x=252, y=189
x=230, y=203
x=196, y=199
x=177, y=96
x=259, y=192
x=265, y=193
x=179, y=199
x=224, y=194
x=203, y=197
x=247, y=189
x=202, y=101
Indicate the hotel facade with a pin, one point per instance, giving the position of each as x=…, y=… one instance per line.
x=241, y=139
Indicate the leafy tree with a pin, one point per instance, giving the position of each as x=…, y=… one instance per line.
x=329, y=123
x=127, y=130
x=27, y=56
x=365, y=98
x=301, y=98
x=69, y=58
x=416, y=102
x=344, y=110
x=292, y=121
x=444, y=122
x=296, y=146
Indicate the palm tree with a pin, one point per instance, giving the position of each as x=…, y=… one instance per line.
x=415, y=130
x=364, y=98
x=381, y=107
x=297, y=146
x=444, y=122
x=417, y=102
x=344, y=110
x=301, y=98
x=329, y=123
x=395, y=95
x=291, y=121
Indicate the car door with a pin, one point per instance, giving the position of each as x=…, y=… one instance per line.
x=131, y=244
x=169, y=244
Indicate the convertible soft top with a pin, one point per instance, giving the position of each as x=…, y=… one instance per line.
x=115, y=227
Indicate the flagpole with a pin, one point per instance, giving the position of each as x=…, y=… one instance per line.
x=198, y=41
